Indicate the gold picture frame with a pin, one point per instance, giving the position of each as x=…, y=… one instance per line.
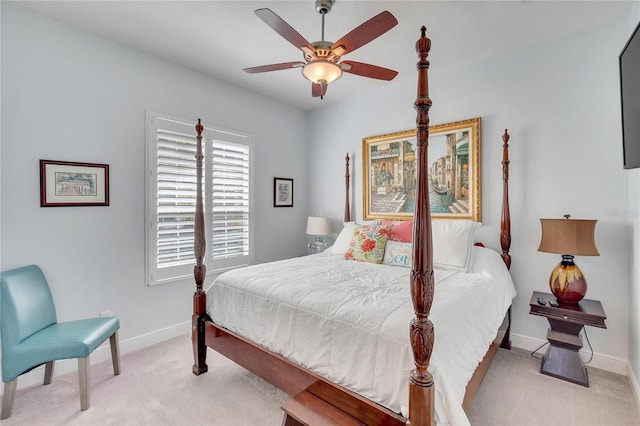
x=389, y=172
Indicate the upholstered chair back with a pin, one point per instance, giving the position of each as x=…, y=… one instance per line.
x=26, y=304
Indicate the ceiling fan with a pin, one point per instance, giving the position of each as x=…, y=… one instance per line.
x=321, y=58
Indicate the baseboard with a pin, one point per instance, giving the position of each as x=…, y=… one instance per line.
x=635, y=386
x=601, y=361
x=103, y=353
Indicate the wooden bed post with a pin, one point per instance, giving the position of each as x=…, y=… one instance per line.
x=347, y=211
x=199, y=270
x=505, y=225
x=505, y=220
x=421, y=386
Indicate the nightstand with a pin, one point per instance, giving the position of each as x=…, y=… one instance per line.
x=562, y=359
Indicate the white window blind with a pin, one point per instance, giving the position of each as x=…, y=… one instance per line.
x=171, y=198
x=230, y=185
x=176, y=198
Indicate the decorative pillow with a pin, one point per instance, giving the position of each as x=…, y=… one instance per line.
x=452, y=242
x=344, y=238
x=402, y=231
x=390, y=222
x=368, y=243
x=397, y=253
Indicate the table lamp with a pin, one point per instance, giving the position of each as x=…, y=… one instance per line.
x=568, y=237
x=318, y=227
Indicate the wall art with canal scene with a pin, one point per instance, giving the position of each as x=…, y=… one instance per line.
x=389, y=172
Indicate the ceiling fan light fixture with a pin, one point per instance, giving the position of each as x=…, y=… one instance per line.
x=321, y=72
x=322, y=58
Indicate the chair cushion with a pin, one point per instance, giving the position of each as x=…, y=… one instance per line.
x=71, y=339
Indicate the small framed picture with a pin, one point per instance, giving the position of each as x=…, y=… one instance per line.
x=282, y=192
x=64, y=183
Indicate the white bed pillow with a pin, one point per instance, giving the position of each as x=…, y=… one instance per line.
x=344, y=237
x=452, y=243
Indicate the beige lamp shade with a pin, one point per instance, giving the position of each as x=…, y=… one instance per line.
x=569, y=236
x=318, y=225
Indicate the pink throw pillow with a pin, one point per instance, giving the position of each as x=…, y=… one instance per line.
x=402, y=231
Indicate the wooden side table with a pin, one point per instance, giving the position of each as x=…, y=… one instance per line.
x=562, y=359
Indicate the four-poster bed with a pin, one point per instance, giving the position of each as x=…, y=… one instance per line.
x=323, y=392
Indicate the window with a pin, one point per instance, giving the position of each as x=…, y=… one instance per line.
x=171, y=198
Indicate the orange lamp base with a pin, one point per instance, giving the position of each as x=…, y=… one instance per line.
x=567, y=283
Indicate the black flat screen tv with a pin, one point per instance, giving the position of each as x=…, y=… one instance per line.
x=629, y=61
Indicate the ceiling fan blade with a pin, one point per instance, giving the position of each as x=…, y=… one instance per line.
x=318, y=90
x=365, y=33
x=285, y=30
x=273, y=67
x=367, y=70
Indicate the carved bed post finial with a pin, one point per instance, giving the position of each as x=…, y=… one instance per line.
x=347, y=211
x=505, y=221
x=199, y=270
x=421, y=386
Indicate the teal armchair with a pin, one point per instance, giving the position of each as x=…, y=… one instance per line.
x=32, y=336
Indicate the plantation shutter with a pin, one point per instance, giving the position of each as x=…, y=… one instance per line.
x=230, y=186
x=174, y=179
x=171, y=199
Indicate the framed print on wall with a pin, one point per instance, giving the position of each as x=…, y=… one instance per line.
x=389, y=172
x=64, y=183
x=282, y=192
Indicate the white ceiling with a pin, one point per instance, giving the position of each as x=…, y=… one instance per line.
x=220, y=38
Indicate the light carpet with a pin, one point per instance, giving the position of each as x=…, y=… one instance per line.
x=156, y=387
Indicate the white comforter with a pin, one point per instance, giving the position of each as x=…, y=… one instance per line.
x=349, y=321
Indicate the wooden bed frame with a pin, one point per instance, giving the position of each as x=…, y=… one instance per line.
x=316, y=400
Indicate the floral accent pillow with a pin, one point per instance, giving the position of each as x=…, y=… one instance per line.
x=344, y=238
x=368, y=243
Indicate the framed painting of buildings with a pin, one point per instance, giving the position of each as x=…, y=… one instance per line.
x=389, y=172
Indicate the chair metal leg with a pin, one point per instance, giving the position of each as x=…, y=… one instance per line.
x=48, y=372
x=8, y=397
x=83, y=375
x=115, y=353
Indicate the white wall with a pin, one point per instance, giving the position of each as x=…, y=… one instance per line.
x=560, y=102
x=68, y=95
x=634, y=219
